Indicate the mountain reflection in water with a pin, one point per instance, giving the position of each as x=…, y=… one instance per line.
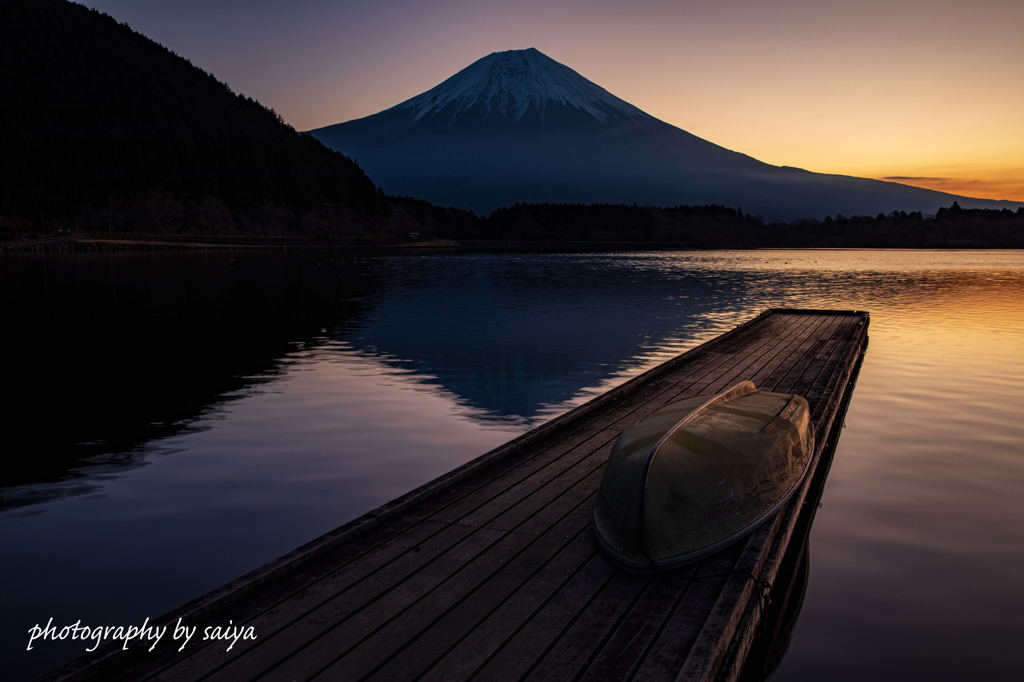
x=149, y=345
x=185, y=417
x=519, y=335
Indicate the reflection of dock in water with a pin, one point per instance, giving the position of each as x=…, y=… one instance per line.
x=492, y=572
x=790, y=583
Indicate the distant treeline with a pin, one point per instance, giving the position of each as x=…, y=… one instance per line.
x=717, y=226
x=698, y=227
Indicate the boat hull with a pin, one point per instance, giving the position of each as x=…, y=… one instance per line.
x=699, y=474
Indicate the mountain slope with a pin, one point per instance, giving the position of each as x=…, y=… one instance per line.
x=91, y=109
x=518, y=126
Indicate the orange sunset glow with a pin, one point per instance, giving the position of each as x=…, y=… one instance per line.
x=994, y=183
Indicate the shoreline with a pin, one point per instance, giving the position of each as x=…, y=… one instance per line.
x=253, y=242
x=171, y=243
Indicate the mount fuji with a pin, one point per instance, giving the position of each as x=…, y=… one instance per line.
x=518, y=126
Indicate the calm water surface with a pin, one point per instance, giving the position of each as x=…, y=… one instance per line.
x=183, y=418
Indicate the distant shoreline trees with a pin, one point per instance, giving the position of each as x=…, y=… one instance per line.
x=159, y=212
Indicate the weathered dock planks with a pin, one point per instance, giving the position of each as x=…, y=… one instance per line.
x=491, y=572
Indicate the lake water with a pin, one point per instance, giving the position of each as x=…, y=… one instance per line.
x=181, y=418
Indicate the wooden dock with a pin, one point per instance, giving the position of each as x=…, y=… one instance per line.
x=491, y=572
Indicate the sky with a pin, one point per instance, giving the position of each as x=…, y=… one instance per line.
x=924, y=92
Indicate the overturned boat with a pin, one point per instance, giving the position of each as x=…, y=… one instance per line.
x=700, y=473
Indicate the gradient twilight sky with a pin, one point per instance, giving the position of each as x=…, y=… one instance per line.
x=930, y=92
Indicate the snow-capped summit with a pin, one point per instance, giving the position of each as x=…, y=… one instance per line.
x=515, y=88
x=518, y=126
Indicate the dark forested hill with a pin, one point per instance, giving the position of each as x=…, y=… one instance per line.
x=91, y=111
